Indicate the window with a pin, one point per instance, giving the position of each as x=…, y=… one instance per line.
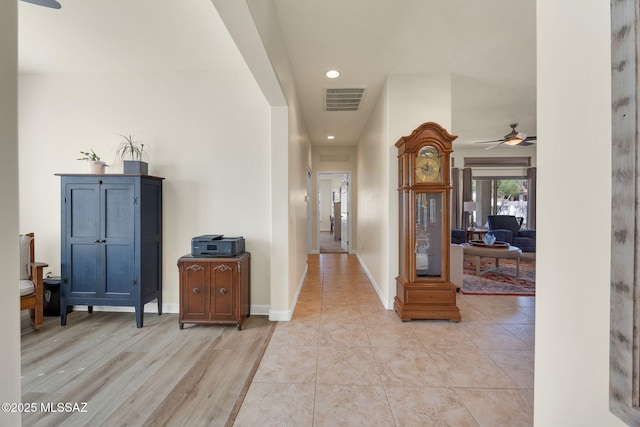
x=499, y=196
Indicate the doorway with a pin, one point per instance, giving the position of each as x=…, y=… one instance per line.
x=333, y=223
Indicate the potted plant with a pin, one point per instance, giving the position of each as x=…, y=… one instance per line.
x=131, y=152
x=94, y=164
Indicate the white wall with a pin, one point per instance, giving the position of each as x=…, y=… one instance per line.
x=371, y=221
x=253, y=25
x=415, y=99
x=9, y=228
x=406, y=102
x=574, y=170
x=299, y=150
x=208, y=135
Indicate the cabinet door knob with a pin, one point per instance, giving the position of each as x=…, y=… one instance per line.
x=222, y=291
x=196, y=290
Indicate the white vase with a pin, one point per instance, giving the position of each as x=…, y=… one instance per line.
x=95, y=166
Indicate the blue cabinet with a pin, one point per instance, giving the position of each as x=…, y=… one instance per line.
x=111, y=234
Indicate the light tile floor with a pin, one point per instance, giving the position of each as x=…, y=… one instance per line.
x=346, y=361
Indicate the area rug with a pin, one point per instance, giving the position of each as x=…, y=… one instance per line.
x=493, y=283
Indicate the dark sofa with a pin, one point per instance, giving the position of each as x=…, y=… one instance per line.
x=458, y=236
x=506, y=228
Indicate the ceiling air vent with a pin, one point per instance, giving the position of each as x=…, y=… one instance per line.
x=343, y=99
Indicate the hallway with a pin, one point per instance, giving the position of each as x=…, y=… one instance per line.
x=345, y=360
x=328, y=244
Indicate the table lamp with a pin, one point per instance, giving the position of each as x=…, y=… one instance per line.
x=470, y=207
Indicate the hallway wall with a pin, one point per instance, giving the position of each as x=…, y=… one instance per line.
x=253, y=26
x=406, y=102
x=9, y=223
x=572, y=283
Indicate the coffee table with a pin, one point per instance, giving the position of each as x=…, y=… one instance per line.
x=508, y=252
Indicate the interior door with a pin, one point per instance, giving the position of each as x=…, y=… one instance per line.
x=344, y=214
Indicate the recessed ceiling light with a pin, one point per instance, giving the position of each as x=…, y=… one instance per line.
x=330, y=137
x=332, y=74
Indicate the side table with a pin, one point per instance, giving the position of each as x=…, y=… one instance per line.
x=476, y=233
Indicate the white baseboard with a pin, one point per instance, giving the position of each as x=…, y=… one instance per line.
x=287, y=315
x=152, y=307
x=260, y=309
x=280, y=316
x=387, y=304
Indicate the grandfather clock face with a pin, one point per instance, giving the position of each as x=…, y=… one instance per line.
x=428, y=165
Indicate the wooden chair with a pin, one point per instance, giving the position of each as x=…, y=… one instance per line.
x=31, y=286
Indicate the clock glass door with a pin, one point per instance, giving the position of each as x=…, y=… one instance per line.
x=428, y=235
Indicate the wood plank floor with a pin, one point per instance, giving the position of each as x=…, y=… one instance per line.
x=158, y=375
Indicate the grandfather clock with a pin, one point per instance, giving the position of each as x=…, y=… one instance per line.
x=423, y=287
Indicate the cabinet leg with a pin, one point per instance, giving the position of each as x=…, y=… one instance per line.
x=159, y=306
x=181, y=325
x=139, y=317
x=63, y=317
x=90, y=309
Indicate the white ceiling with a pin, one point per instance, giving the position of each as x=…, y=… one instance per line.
x=487, y=46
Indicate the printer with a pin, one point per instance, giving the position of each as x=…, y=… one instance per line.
x=217, y=245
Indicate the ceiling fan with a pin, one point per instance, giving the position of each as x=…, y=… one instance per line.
x=512, y=138
x=46, y=3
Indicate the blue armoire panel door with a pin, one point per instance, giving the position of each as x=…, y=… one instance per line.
x=118, y=216
x=82, y=232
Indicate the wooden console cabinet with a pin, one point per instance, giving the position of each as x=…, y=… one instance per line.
x=214, y=291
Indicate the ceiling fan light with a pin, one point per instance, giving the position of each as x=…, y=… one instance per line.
x=516, y=139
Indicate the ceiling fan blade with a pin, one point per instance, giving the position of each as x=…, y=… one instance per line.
x=494, y=146
x=489, y=142
x=53, y=4
x=530, y=140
